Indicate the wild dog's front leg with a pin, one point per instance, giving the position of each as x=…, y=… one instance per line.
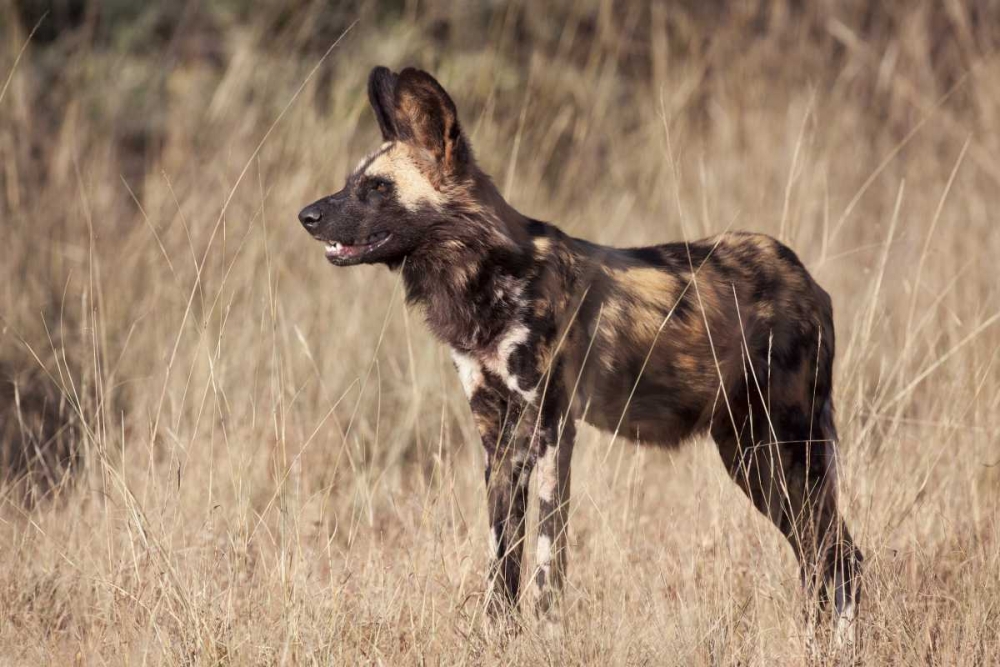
x=508, y=472
x=553, y=513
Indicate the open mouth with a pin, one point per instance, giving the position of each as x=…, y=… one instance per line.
x=356, y=248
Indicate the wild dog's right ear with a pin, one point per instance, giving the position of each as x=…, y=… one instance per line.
x=382, y=95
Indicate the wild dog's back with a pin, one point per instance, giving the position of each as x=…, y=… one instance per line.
x=680, y=319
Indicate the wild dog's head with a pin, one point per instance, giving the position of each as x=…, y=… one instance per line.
x=409, y=193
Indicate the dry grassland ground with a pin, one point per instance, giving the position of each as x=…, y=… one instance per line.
x=218, y=449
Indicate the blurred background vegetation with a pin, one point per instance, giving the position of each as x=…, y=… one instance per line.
x=896, y=58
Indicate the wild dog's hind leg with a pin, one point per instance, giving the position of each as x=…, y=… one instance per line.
x=786, y=463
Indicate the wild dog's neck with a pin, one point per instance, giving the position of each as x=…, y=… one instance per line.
x=471, y=283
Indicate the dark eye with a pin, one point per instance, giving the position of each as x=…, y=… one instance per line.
x=381, y=187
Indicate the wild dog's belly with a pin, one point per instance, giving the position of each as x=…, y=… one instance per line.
x=660, y=400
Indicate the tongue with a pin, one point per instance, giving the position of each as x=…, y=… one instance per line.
x=340, y=250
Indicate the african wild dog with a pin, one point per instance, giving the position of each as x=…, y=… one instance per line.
x=728, y=335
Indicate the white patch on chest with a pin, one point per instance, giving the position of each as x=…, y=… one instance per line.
x=499, y=362
x=469, y=372
x=470, y=368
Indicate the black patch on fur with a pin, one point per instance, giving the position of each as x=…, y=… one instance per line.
x=523, y=366
x=537, y=228
x=648, y=255
x=788, y=255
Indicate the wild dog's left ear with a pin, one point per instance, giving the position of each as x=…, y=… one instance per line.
x=381, y=95
x=425, y=116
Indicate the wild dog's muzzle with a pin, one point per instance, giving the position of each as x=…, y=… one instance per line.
x=323, y=210
x=332, y=221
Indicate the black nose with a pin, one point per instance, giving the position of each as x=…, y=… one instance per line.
x=309, y=216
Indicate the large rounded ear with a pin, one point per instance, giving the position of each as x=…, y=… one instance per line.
x=382, y=96
x=425, y=116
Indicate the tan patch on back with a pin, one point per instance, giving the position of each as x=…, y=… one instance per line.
x=413, y=188
x=764, y=310
x=647, y=284
x=652, y=293
x=613, y=315
x=542, y=245
x=612, y=327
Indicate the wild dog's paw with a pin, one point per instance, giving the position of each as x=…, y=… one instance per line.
x=845, y=632
x=501, y=622
x=550, y=607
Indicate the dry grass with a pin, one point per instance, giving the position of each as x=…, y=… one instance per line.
x=279, y=466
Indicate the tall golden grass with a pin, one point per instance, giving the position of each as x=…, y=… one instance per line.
x=232, y=453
